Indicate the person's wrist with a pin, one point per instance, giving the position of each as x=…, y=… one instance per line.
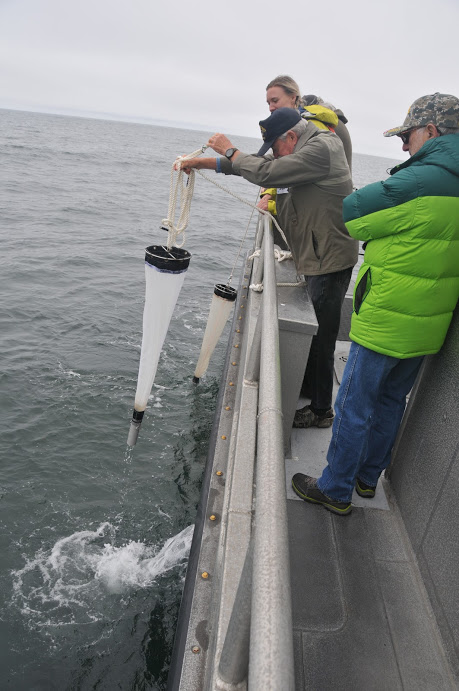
x=230, y=151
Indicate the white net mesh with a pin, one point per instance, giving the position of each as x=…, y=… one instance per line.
x=220, y=310
x=161, y=293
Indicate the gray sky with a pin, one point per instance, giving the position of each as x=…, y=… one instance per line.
x=206, y=63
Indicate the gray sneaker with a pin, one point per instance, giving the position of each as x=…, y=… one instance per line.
x=305, y=487
x=364, y=490
x=305, y=417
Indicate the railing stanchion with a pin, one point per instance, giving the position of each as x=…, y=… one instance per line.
x=252, y=372
x=257, y=276
x=234, y=660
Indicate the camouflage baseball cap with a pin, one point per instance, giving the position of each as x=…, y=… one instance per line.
x=440, y=109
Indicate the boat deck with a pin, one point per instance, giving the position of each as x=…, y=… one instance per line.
x=370, y=591
x=361, y=616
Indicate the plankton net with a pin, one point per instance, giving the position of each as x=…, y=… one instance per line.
x=164, y=275
x=220, y=308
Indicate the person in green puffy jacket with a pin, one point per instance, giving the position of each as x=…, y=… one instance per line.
x=404, y=298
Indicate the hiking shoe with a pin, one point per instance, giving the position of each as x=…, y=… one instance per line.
x=306, y=488
x=364, y=490
x=305, y=417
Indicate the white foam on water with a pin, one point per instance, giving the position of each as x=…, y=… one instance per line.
x=68, y=372
x=136, y=565
x=74, y=582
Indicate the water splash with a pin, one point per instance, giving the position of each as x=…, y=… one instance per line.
x=135, y=564
x=74, y=582
x=128, y=456
x=68, y=372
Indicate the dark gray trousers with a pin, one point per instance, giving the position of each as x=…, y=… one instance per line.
x=327, y=294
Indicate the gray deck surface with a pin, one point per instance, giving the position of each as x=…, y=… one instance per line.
x=361, y=617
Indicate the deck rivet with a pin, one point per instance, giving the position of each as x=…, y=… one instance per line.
x=239, y=317
x=242, y=307
x=212, y=518
x=219, y=472
x=238, y=331
x=231, y=384
x=236, y=346
x=204, y=575
x=234, y=363
x=223, y=436
x=195, y=649
x=227, y=407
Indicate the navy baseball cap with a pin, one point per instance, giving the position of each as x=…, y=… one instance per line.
x=279, y=122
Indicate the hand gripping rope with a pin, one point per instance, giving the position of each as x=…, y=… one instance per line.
x=186, y=188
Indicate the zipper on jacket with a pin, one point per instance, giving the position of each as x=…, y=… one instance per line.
x=362, y=289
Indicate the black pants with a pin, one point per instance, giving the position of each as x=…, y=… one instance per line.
x=327, y=294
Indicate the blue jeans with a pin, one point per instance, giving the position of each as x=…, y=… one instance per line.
x=327, y=293
x=369, y=408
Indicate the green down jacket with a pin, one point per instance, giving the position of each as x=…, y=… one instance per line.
x=408, y=284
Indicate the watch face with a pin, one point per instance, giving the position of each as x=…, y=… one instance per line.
x=229, y=152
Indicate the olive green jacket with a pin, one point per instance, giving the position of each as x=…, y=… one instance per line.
x=312, y=183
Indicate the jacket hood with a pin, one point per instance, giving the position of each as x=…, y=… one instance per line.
x=440, y=151
x=341, y=116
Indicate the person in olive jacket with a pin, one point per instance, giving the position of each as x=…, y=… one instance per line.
x=405, y=294
x=309, y=169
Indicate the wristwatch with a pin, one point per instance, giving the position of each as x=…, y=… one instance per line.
x=230, y=152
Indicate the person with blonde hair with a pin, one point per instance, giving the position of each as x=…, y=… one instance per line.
x=284, y=92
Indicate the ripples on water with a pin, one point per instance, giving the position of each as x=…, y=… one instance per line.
x=95, y=536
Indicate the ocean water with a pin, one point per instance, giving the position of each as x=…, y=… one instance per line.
x=94, y=535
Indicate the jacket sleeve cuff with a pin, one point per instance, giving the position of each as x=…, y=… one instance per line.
x=226, y=166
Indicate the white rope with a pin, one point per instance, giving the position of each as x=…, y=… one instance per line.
x=241, y=244
x=186, y=189
x=185, y=186
x=290, y=285
x=245, y=201
x=186, y=194
x=281, y=255
x=258, y=287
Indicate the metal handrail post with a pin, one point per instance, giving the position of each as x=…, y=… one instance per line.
x=252, y=373
x=259, y=232
x=271, y=636
x=234, y=660
x=257, y=276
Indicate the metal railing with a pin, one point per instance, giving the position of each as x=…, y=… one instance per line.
x=259, y=640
